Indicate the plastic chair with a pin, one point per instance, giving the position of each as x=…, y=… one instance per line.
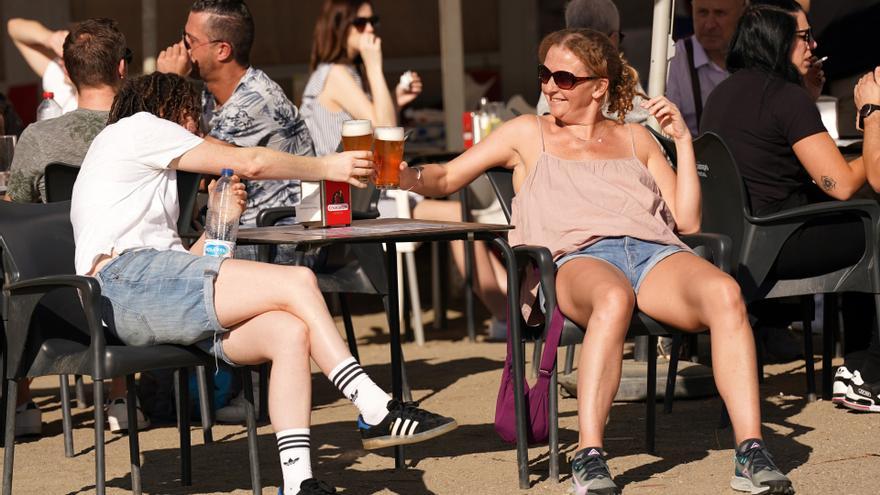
x=757, y=242
x=714, y=247
x=59, y=178
x=53, y=326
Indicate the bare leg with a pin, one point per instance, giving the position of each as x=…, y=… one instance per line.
x=597, y=296
x=670, y=295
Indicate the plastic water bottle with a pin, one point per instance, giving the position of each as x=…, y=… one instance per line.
x=49, y=108
x=222, y=222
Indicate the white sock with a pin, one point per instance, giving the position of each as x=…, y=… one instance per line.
x=296, y=462
x=354, y=383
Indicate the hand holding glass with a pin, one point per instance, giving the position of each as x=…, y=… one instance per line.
x=357, y=135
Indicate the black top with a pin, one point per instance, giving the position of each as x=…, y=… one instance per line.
x=760, y=117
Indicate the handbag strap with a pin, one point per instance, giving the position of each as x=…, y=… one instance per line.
x=695, y=79
x=551, y=343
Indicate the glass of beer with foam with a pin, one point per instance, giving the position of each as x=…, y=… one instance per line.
x=387, y=155
x=357, y=135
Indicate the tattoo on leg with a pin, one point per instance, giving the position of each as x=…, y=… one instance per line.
x=828, y=183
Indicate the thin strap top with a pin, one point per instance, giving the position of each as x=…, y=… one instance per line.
x=324, y=125
x=567, y=205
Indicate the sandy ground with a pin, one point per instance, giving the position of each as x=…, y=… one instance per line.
x=825, y=449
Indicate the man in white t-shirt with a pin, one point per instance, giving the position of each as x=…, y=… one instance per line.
x=123, y=213
x=42, y=49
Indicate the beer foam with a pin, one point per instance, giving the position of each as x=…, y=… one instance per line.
x=388, y=133
x=352, y=128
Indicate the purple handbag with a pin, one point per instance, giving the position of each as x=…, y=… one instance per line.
x=536, y=397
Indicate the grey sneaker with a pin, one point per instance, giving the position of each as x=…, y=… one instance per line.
x=589, y=474
x=754, y=471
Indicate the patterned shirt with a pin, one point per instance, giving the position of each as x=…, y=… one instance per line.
x=259, y=114
x=63, y=139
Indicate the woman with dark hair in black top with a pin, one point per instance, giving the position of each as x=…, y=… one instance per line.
x=770, y=122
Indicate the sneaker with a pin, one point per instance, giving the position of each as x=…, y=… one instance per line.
x=312, y=486
x=236, y=410
x=590, y=475
x=754, y=471
x=117, y=416
x=28, y=420
x=862, y=396
x=405, y=423
x=842, y=379
x=497, y=330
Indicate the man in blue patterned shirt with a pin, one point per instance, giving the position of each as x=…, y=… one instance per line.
x=241, y=105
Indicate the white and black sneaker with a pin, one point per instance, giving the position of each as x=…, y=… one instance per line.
x=842, y=379
x=405, y=423
x=862, y=396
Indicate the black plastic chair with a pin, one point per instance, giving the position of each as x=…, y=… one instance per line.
x=757, y=242
x=53, y=326
x=714, y=247
x=59, y=178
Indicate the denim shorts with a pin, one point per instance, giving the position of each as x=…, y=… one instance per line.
x=162, y=297
x=633, y=257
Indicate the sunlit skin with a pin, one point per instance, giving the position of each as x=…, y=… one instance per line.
x=714, y=24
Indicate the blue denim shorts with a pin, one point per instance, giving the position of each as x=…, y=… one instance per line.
x=162, y=297
x=634, y=257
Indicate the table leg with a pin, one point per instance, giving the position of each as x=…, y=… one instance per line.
x=394, y=328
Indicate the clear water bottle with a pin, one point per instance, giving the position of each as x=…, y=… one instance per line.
x=49, y=108
x=222, y=222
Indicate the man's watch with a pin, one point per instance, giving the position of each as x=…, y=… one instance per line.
x=866, y=110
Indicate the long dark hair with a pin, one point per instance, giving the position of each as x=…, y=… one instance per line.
x=763, y=40
x=331, y=32
x=167, y=96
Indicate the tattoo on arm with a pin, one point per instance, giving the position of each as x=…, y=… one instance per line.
x=828, y=183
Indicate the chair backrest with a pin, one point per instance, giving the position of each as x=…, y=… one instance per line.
x=502, y=182
x=187, y=193
x=59, y=179
x=724, y=195
x=37, y=239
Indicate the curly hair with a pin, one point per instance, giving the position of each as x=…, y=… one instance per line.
x=168, y=96
x=601, y=58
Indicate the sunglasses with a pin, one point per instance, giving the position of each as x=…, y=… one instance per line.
x=562, y=78
x=188, y=46
x=128, y=56
x=806, y=35
x=360, y=23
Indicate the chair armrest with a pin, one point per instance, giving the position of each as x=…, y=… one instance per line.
x=270, y=216
x=42, y=285
x=809, y=212
x=719, y=246
x=542, y=258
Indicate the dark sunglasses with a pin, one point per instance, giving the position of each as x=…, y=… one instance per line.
x=188, y=46
x=562, y=78
x=360, y=23
x=128, y=56
x=806, y=35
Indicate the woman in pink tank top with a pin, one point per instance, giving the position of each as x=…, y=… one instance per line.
x=602, y=197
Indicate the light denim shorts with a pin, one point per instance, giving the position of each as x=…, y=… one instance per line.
x=634, y=257
x=162, y=297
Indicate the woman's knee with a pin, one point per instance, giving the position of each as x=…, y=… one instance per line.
x=723, y=297
x=613, y=303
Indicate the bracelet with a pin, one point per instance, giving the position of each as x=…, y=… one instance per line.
x=418, y=177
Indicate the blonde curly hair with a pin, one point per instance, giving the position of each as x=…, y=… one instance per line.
x=601, y=58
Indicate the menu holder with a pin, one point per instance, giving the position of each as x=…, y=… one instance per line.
x=324, y=204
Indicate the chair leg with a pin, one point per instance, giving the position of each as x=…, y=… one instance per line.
x=206, y=399
x=133, y=446
x=415, y=301
x=651, y=401
x=401, y=316
x=9, y=435
x=808, y=350
x=66, y=421
x=553, y=438
x=182, y=376
x=80, y=388
x=437, y=287
x=100, y=473
x=263, y=398
x=759, y=353
x=672, y=373
x=349, y=326
x=251, y=422
x=536, y=356
x=829, y=329
x=569, y=358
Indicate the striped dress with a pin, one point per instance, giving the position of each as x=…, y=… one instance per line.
x=324, y=126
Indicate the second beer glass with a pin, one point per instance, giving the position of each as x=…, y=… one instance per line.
x=387, y=155
x=357, y=135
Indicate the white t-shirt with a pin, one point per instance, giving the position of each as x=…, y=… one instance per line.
x=125, y=196
x=55, y=80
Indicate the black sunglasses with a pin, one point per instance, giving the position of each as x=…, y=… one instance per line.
x=562, y=78
x=360, y=23
x=188, y=46
x=806, y=35
x=128, y=56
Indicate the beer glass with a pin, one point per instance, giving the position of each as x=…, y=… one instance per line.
x=387, y=155
x=357, y=135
